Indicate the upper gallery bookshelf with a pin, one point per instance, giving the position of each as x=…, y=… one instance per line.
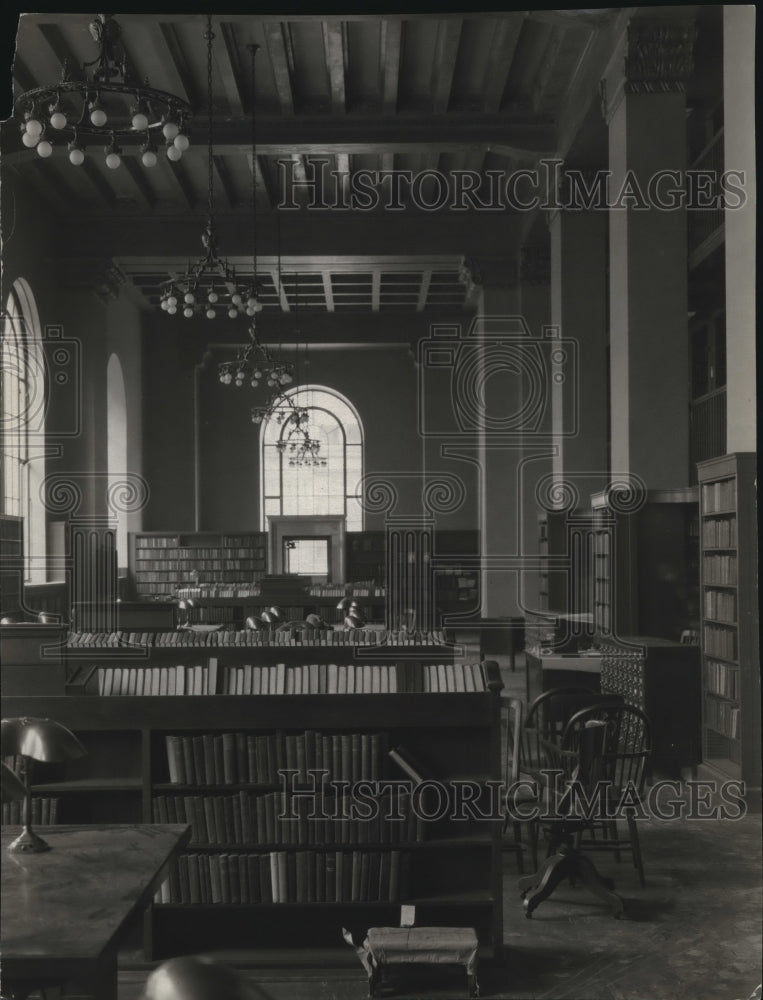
x=731, y=668
x=11, y=563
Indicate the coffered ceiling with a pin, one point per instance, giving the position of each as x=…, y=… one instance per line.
x=333, y=97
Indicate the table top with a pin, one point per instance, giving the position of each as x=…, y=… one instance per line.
x=589, y=663
x=67, y=904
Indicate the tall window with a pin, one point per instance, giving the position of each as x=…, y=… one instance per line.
x=22, y=424
x=330, y=487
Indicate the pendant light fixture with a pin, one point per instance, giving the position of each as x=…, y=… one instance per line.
x=210, y=285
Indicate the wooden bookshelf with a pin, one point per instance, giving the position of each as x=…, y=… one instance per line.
x=451, y=870
x=645, y=565
x=729, y=607
x=161, y=562
x=11, y=564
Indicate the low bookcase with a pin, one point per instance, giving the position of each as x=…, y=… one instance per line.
x=347, y=871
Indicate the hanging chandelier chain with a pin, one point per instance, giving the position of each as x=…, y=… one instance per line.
x=253, y=50
x=210, y=162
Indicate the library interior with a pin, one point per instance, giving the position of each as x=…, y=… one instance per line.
x=378, y=584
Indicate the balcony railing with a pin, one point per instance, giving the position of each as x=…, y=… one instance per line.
x=708, y=427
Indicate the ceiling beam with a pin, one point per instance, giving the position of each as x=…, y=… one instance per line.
x=328, y=290
x=59, y=46
x=221, y=167
x=229, y=68
x=375, y=289
x=177, y=57
x=547, y=66
x=334, y=48
x=498, y=63
x=446, y=52
x=265, y=197
x=276, y=45
x=182, y=182
x=390, y=40
x=426, y=280
x=22, y=75
x=99, y=183
x=275, y=275
x=138, y=176
x=325, y=233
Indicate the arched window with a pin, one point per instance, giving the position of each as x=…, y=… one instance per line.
x=292, y=483
x=116, y=436
x=22, y=424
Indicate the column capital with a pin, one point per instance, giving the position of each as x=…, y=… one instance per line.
x=653, y=56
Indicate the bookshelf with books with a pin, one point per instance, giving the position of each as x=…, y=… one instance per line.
x=250, y=879
x=162, y=562
x=645, y=563
x=11, y=564
x=729, y=629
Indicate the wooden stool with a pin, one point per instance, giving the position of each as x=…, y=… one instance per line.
x=423, y=945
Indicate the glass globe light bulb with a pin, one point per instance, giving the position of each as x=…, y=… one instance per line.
x=236, y=299
x=76, y=155
x=44, y=148
x=113, y=160
x=212, y=297
x=188, y=312
x=254, y=382
x=249, y=311
x=148, y=158
x=170, y=130
x=139, y=118
x=98, y=116
x=173, y=153
x=33, y=127
x=285, y=378
x=58, y=119
x=210, y=314
x=189, y=298
x=172, y=310
x=233, y=312
x=181, y=141
x=164, y=304
x=172, y=300
x=227, y=378
x=30, y=140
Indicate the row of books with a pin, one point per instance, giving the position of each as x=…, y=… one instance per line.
x=44, y=811
x=723, y=717
x=720, y=533
x=253, y=758
x=333, y=678
x=719, y=496
x=195, y=552
x=720, y=642
x=720, y=569
x=287, y=877
x=721, y=605
x=148, y=566
x=257, y=637
x=217, y=590
x=722, y=679
x=248, y=819
x=200, y=679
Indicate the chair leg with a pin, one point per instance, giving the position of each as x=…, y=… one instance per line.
x=638, y=861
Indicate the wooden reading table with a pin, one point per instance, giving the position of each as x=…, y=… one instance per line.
x=63, y=910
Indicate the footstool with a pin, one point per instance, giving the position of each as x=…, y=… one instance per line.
x=419, y=945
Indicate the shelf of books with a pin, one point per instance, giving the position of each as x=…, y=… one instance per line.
x=309, y=814
x=11, y=564
x=729, y=632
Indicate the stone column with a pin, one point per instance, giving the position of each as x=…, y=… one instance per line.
x=644, y=106
x=739, y=222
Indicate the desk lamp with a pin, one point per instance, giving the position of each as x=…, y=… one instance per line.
x=35, y=739
x=194, y=977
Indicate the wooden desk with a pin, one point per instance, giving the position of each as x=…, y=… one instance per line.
x=560, y=670
x=63, y=910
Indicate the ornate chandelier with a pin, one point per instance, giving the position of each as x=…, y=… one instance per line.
x=295, y=443
x=81, y=107
x=254, y=363
x=210, y=284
